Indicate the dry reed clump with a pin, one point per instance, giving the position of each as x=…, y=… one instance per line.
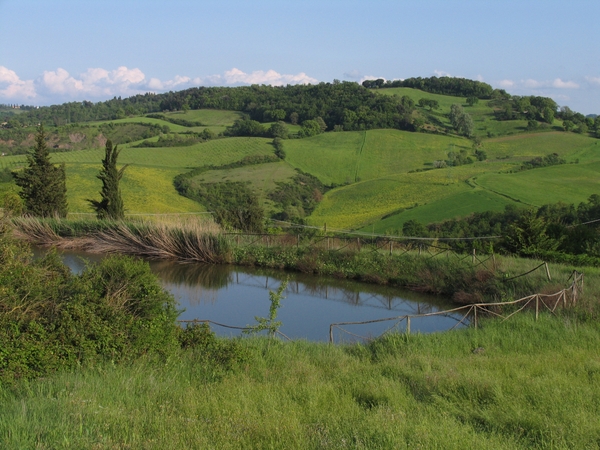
x=184, y=241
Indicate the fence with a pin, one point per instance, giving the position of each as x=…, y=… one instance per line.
x=550, y=302
x=470, y=313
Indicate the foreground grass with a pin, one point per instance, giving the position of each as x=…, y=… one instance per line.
x=535, y=385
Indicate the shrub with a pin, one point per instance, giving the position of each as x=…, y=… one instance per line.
x=51, y=319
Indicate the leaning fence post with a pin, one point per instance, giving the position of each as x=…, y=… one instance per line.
x=548, y=271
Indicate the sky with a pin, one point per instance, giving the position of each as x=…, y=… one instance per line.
x=53, y=51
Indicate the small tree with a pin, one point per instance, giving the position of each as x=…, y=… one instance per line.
x=111, y=204
x=43, y=185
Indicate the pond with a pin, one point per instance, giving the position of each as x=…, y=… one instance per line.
x=234, y=296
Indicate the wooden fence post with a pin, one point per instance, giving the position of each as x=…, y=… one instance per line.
x=537, y=306
x=391, y=247
x=473, y=258
x=297, y=241
x=475, y=317
x=494, y=261
x=548, y=271
x=331, y=334
x=408, y=325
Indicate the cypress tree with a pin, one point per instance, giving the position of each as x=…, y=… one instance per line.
x=111, y=204
x=43, y=185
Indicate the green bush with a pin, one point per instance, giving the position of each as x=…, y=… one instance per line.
x=51, y=319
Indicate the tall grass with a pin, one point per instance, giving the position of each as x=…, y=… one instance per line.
x=530, y=385
x=185, y=241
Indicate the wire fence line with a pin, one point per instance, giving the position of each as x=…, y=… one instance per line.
x=471, y=313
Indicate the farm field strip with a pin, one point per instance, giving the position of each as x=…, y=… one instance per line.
x=569, y=183
x=144, y=190
x=363, y=203
x=460, y=204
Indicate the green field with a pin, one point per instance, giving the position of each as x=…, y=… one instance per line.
x=482, y=113
x=370, y=169
x=340, y=158
x=364, y=203
x=261, y=177
x=569, y=183
x=457, y=205
x=148, y=182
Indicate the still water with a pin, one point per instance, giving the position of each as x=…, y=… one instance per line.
x=234, y=295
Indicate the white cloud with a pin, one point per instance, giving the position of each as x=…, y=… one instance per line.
x=593, y=80
x=58, y=85
x=353, y=74
x=236, y=76
x=370, y=77
x=12, y=87
x=560, y=84
x=441, y=73
x=531, y=84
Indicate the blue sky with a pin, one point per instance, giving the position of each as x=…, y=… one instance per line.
x=53, y=51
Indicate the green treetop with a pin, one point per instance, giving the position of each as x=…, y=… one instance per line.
x=111, y=204
x=43, y=185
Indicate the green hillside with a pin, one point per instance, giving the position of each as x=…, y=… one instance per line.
x=381, y=177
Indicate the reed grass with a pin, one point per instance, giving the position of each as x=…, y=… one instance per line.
x=186, y=240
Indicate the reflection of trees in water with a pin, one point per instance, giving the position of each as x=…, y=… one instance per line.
x=210, y=276
x=215, y=277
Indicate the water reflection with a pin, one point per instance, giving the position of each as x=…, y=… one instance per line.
x=235, y=295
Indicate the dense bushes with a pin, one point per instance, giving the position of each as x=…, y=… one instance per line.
x=51, y=319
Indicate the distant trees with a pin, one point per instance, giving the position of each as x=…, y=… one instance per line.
x=245, y=127
x=459, y=87
x=429, y=103
x=278, y=130
x=43, y=185
x=472, y=100
x=310, y=128
x=461, y=121
x=111, y=204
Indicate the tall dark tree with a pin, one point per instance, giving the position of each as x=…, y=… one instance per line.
x=111, y=204
x=43, y=185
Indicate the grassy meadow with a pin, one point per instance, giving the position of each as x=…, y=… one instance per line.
x=531, y=385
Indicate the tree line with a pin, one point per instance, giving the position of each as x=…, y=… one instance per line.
x=44, y=190
x=560, y=232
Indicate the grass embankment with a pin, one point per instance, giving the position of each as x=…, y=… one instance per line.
x=451, y=276
x=532, y=385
